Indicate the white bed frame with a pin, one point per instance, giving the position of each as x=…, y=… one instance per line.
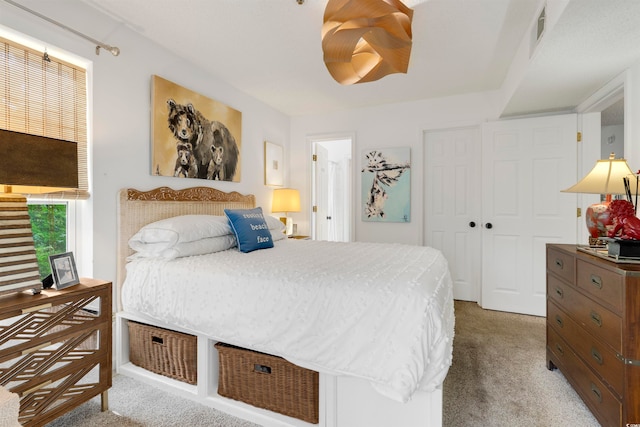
x=344, y=401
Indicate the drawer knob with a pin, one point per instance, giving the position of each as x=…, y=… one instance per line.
x=560, y=292
x=596, y=281
x=596, y=356
x=559, y=320
x=559, y=263
x=560, y=350
x=596, y=391
x=595, y=318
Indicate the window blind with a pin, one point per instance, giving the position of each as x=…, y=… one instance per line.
x=45, y=98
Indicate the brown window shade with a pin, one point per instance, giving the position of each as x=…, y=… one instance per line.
x=46, y=99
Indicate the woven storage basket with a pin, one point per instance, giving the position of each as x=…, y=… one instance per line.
x=169, y=353
x=268, y=382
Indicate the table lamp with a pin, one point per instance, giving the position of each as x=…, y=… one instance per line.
x=29, y=164
x=286, y=200
x=606, y=178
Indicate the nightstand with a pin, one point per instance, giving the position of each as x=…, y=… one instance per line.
x=300, y=237
x=55, y=349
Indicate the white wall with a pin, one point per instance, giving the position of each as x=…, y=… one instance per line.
x=398, y=125
x=612, y=141
x=121, y=113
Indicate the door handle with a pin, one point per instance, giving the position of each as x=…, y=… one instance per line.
x=489, y=226
x=472, y=224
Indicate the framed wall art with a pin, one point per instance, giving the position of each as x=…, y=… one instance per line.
x=273, y=164
x=193, y=136
x=63, y=269
x=386, y=185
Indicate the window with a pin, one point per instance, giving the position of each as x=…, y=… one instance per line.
x=44, y=95
x=49, y=227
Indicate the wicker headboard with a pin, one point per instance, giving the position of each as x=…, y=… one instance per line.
x=138, y=208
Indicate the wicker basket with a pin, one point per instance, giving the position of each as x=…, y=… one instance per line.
x=169, y=353
x=268, y=382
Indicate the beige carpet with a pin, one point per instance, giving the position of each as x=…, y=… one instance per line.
x=498, y=378
x=135, y=404
x=499, y=375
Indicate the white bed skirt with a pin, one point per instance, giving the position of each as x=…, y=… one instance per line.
x=344, y=401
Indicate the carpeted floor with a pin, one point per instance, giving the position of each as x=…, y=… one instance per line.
x=498, y=378
x=135, y=404
x=499, y=375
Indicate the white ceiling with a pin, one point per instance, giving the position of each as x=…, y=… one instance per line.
x=271, y=49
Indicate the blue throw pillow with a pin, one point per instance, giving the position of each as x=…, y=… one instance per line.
x=250, y=228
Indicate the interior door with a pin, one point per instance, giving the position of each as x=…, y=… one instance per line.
x=526, y=162
x=453, y=204
x=321, y=165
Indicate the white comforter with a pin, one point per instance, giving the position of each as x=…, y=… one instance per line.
x=381, y=312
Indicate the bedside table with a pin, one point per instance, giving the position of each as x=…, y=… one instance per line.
x=300, y=237
x=55, y=349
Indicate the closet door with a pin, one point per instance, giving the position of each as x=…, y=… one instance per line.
x=526, y=162
x=453, y=204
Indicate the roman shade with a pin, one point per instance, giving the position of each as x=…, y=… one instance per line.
x=44, y=100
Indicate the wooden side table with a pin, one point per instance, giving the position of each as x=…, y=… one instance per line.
x=55, y=349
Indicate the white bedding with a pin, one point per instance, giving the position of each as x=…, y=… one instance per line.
x=381, y=312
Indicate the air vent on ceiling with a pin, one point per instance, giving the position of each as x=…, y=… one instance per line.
x=540, y=24
x=538, y=30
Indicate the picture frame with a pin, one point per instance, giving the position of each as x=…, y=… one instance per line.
x=386, y=185
x=63, y=269
x=273, y=164
x=193, y=136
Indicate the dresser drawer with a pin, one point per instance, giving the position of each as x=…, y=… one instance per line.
x=595, y=394
x=562, y=264
x=597, y=320
x=40, y=325
x=604, y=285
x=556, y=290
x=597, y=355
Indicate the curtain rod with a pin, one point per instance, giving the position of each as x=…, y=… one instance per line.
x=113, y=49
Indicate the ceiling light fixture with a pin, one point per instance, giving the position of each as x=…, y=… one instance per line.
x=365, y=40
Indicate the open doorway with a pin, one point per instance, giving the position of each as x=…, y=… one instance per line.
x=331, y=218
x=612, y=136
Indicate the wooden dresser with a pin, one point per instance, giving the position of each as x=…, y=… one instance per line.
x=593, y=330
x=55, y=349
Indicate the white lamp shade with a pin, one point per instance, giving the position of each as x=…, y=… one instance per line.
x=605, y=178
x=285, y=200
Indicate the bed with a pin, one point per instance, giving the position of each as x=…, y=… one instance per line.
x=378, y=329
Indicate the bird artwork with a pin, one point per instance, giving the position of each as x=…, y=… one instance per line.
x=387, y=170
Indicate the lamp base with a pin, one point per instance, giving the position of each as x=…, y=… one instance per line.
x=597, y=242
x=288, y=222
x=598, y=220
x=21, y=272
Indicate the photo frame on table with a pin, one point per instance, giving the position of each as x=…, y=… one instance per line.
x=63, y=269
x=273, y=164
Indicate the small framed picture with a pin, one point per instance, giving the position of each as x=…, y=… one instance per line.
x=63, y=268
x=273, y=164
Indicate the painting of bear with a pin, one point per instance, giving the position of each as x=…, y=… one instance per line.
x=208, y=130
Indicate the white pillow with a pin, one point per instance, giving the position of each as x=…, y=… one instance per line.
x=276, y=227
x=166, y=233
x=162, y=238
x=198, y=247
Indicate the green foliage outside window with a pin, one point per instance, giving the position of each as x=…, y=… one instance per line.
x=49, y=226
